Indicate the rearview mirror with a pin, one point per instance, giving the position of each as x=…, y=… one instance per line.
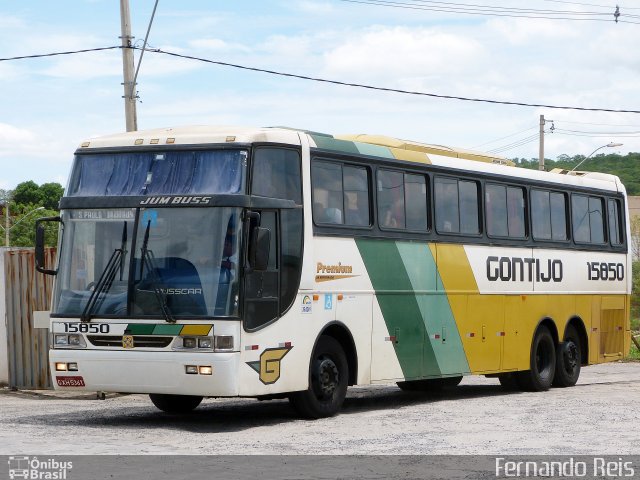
x=41, y=263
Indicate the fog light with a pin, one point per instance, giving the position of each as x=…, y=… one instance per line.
x=205, y=370
x=74, y=339
x=189, y=342
x=61, y=340
x=61, y=367
x=224, y=342
x=191, y=369
x=73, y=367
x=204, y=342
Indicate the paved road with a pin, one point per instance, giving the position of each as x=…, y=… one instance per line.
x=598, y=416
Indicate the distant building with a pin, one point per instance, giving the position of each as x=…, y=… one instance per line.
x=634, y=206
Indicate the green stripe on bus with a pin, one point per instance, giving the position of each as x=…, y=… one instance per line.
x=163, y=329
x=374, y=150
x=140, y=329
x=399, y=307
x=330, y=143
x=435, y=309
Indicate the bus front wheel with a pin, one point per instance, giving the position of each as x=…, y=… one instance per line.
x=542, y=363
x=328, y=377
x=175, y=403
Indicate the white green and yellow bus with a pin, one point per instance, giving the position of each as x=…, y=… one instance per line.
x=280, y=263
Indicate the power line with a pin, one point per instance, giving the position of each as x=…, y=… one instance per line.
x=600, y=124
x=590, y=4
x=491, y=12
x=386, y=89
x=502, y=138
x=598, y=133
x=518, y=143
x=333, y=82
x=571, y=133
x=494, y=11
x=54, y=54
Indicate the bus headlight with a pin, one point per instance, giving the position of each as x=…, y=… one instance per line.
x=72, y=340
x=193, y=343
x=223, y=343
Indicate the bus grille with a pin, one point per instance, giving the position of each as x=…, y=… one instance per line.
x=154, y=341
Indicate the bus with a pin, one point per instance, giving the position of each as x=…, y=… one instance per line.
x=279, y=263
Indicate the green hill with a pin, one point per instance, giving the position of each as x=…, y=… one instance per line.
x=627, y=167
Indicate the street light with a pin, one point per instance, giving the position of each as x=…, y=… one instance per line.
x=610, y=144
x=8, y=228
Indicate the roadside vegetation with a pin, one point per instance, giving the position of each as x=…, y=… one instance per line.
x=28, y=202
x=627, y=167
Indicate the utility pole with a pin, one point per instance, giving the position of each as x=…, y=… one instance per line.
x=127, y=68
x=541, y=149
x=6, y=222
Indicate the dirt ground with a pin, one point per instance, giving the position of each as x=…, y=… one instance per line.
x=598, y=416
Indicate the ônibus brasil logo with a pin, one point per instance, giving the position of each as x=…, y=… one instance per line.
x=33, y=468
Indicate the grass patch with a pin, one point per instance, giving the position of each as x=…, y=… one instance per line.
x=634, y=353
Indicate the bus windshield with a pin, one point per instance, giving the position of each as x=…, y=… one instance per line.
x=149, y=262
x=152, y=173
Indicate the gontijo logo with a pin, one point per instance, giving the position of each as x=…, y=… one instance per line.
x=33, y=468
x=269, y=366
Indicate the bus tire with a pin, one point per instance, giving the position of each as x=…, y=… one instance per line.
x=328, y=378
x=542, y=362
x=175, y=403
x=568, y=359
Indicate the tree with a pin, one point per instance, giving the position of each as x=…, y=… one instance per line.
x=27, y=197
x=51, y=195
x=27, y=193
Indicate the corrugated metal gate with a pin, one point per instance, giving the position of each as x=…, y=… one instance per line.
x=27, y=291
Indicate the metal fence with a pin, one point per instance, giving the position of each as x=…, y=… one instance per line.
x=27, y=291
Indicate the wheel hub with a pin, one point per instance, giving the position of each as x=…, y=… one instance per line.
x=571, y=356
x=328, y=377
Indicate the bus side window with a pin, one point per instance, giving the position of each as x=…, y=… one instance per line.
x=615, y=223
x=327, y=193
x=276, y=174
x=588, y=219
x=540, y=214
x=446, y=203
x=469, y=212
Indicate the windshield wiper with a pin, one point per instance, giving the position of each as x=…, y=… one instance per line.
x=149, y=261
x=115, y=263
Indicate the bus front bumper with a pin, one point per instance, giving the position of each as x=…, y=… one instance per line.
x=146, y=372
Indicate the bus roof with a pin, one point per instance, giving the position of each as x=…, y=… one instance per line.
x=360, y=144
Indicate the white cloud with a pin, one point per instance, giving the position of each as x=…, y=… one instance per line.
x=392, y=53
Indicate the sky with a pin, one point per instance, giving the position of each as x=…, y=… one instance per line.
x=48, y=106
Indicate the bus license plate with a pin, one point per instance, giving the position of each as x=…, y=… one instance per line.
x=70, y=381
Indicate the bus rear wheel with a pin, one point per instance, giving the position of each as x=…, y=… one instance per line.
x=328, y=378
x=542, y=362
x=568, y=360
x=175, y=403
